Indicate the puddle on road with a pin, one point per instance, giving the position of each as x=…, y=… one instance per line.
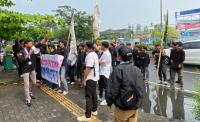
x=168, y=102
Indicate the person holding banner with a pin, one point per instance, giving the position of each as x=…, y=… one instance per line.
x=64, y=52
x=26, y=57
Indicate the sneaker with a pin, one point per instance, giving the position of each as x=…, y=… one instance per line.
x=95, y=113
x=178, y=81
x=28, y=103
x=165, y=83
x=83, y=119
x=64, y=93
x=160, y=82
x=60, y=91
x=72, y=83
x=103, y=103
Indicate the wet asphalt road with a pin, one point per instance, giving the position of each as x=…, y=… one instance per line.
x=171, y=101
x=191, y=74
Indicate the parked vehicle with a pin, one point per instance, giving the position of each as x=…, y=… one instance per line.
x=192, y=52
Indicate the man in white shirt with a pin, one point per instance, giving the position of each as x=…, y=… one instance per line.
x=90, y=79
x=105, y=62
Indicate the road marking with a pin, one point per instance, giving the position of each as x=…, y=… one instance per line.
x=167, y=86
x=66, y=103
x=196, y=73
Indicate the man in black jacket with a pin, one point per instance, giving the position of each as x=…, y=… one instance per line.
x=26, y=57
x=144, y=63
x=177, y=58
x=126, y=78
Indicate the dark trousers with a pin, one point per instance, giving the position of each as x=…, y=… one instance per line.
x=162, y=73
x=79, y=72
x=71, y=73
x=91, y=97
x=179, y=73
x=103, y=85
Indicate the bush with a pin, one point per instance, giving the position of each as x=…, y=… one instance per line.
x=197, y=99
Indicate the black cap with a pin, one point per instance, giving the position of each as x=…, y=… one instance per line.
x=180, y=44
x=125, y=53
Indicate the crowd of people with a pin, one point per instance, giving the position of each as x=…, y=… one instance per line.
x=120, y=72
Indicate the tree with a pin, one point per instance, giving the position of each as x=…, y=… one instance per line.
x=14, y=25
x=171, y=34
x=6, y=3
x=83, y=21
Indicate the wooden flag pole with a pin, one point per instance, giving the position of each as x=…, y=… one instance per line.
x=161, y=49
x=158, y=66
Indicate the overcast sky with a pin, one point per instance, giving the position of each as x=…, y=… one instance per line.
x=115, y=14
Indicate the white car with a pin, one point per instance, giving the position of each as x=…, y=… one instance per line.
x=192, y=52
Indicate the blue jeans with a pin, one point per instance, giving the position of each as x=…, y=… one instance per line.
x=63, y=84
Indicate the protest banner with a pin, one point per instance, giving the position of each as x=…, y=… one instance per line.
x=50, y=67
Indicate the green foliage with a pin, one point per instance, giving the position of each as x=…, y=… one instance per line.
x=15, y=26
x=61, y=33
x=6, y=3
x=83, y=23
x=171, y=34
x=197, y=99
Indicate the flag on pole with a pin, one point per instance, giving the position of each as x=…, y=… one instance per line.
x=72, y=57
x=96, y=22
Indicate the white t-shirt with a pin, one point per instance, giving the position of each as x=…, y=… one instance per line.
x=91, y=60
x=105, y=69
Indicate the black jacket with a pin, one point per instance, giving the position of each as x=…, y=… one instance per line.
x=144, y=59
x=64, y=52
x=81, y=59
x=121, y=78
x=28, y=64
x=177, y=57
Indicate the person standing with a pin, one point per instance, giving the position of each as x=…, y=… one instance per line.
x=26, y=57
x=80, y=62
x=144, y=63
x=177, y=58
x=162, y=71
x=105, y=62
x=90, y=79
x=16, y=49
x=64, y=52
x=136, y=56
x=126, y=88
x=113, y=51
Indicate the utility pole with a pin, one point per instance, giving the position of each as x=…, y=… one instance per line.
x=161, y=15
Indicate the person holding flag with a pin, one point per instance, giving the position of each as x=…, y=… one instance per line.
x=72, y=57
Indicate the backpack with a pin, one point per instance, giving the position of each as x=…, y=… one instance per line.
x=131, y=99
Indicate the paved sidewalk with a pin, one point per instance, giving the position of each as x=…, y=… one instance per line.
x=43, y=109
x=47, y=108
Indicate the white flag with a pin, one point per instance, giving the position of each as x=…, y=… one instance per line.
x=96, y=22
x=72, y=57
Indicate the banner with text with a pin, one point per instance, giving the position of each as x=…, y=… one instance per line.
x=50, y=67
